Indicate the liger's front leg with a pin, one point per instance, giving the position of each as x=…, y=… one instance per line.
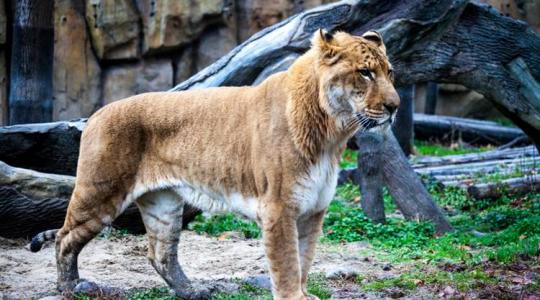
x=309, y=231
x=280, y=237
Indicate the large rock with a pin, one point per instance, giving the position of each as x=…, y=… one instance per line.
x=254, y=15
x=214, y=43
x=122, y=81
x=3, y=23
x=526, y=10
x=170, y=24
x=3, y=89
x=185, y=64
x=3, y=66
x=114, y=27
x=77, y=75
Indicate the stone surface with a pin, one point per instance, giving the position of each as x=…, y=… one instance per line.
x=114, y=27
x=214, y=43
x=526, y=10
x=185, y=64
x=3, y=89
x=76, y=73
x=341, y=272
x=169, y=24
x=122, y=81
x=3, y=23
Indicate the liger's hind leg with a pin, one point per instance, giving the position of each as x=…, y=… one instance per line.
x=84, y=220
x=162, y=215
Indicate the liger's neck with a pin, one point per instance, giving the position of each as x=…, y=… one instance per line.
x=313, y=129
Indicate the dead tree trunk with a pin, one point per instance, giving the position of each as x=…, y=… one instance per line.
x=403, y=127
x=410, y=195
x=42, y=200
x=30, y=97
x=431, y=98
x=369, y=176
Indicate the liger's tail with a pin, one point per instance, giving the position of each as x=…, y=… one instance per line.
x=42, y=237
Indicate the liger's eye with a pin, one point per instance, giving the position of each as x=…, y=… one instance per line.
x=391, y=74
x=365, y=72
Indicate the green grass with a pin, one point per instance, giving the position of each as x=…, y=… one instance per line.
x=216, y=225
x=463, y=280
x=425, y=148
x=246, y=292
x=349, y=159
x=152, y=294
x=317, y=286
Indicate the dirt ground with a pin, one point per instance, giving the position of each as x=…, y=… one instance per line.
x=121, y=262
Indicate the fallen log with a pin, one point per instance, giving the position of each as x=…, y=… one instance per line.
x=481, y=167
x=46, y=147
x=512, y=186
x=431, y=161
x=477, y=132
x=31, y=202
x=406, y=188
x=370, y=177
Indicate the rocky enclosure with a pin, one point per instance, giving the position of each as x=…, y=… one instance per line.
x=107, y=50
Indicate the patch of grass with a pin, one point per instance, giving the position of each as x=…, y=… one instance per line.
x=349, y=159
x=215, y=225
x=346, y=223
x=110, y=232
x=318, y=286
x=246, y=292
x=425, y=148
x=463, y=281
x=152, y=294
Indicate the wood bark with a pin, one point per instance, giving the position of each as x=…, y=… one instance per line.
x=30, y=97
x=41, y=200
x=406, y=188
x=450, y=129
x=511, y=186
x=430, y=161
x=369, y=176
x=432, y=90
x=403, y=127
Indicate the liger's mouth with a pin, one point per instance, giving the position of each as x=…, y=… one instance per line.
x=368, y=123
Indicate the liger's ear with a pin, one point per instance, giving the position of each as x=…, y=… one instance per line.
x=376, y=38
x=325, y=43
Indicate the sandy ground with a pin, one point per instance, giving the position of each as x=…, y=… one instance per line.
x=121, y=262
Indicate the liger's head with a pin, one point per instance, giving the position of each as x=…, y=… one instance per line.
x=356, y=80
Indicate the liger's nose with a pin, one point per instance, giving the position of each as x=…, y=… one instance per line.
x=391, y=107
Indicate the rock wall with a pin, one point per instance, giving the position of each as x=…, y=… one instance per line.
x=107, y=50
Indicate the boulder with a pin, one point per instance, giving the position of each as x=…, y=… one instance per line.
x=3, y=23
x=185, y=64
x=170, y=24
x=126, y=80
x=3, y=89
x=76, y=94
x=114, y=27
x=214, y=43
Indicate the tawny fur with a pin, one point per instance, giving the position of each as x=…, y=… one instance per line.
x=269, y=152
